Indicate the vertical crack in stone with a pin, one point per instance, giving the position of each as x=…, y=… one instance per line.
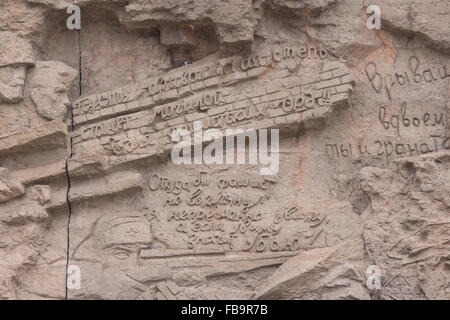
x=67, y=165
x=70, y=214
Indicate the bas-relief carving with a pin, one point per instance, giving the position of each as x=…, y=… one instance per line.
x=16, y=56
x=49, y=84
x=198, y=221
x=45, y=97
x=228, y=94
x=199, y=226
x=31, y=93
x=211, y=224
x=364, y=156
x=12, y=82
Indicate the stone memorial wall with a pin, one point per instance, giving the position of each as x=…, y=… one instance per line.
x=94, y=205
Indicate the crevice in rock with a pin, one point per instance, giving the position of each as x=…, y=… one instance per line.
x=67, y=163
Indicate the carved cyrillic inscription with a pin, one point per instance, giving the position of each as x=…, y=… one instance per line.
x=145, y=128
x=228, y=212
x=180, y=82
x=415, y=74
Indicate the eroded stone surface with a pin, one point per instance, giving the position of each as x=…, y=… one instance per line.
x=87, y=181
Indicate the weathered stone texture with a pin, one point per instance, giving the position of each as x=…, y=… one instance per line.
x=87, y=125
